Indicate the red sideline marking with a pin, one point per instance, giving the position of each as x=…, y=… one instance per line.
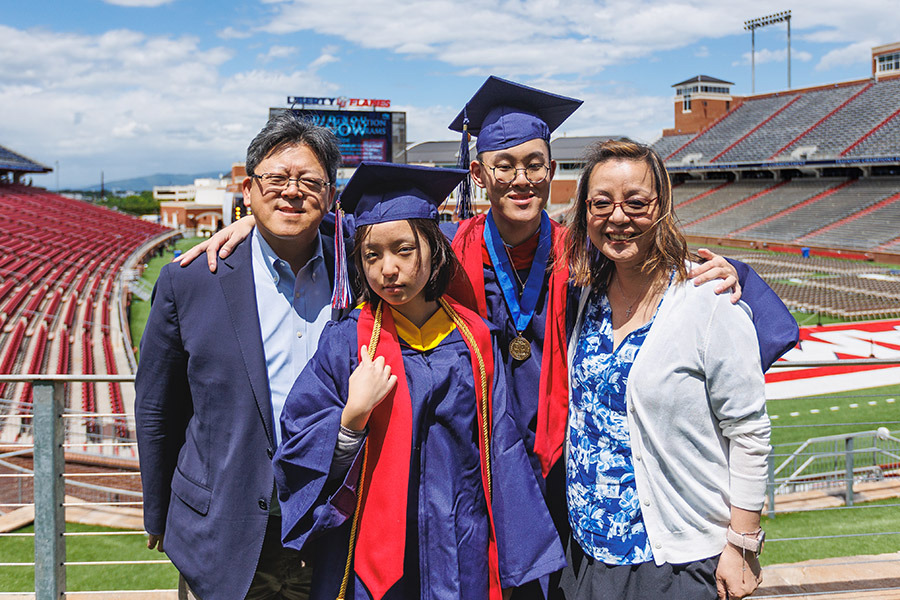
x=738, y=203
x=795, y=207
x=703, y=195
x=749, y=133
x=810, y=334
x=871, y=131
x=813, y=372
x=820, y=121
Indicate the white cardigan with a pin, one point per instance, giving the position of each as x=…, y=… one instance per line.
x=696, y=411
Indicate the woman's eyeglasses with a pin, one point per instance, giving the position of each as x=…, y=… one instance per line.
x=633, y=207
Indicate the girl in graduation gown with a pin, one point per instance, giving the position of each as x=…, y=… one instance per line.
x=401, y=472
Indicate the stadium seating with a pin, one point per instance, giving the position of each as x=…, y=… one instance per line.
x=846, y=289
x=56, y=254
x=669, y=144
x=881, y=142
x=715, y=201
x=735, y=125
x=787, y=125
x=762, y=207
x=853, y=121
x=860, y=119
x=865, y=228
x=809, y=217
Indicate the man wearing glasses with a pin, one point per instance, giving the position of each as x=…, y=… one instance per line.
x=219, y=354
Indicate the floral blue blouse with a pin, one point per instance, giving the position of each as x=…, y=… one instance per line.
x=604, y=511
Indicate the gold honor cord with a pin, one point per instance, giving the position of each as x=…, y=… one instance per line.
x=373, y=344
x=486, y=440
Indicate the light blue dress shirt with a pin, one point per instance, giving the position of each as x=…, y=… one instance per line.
x=293, y=311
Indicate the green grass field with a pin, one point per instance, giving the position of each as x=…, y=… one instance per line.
x=89, y=548
x=140, y=309
x=831, y=414
x=872, y=517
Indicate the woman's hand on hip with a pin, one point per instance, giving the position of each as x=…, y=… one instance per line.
x=738, y=574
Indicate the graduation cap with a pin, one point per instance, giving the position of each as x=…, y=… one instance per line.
x=384, y=192
x=503, y=114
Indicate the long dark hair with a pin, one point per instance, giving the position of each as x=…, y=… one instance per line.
x=587, y=265
x=444, y=264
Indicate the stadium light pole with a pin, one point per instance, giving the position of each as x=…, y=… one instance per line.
x=752, y=25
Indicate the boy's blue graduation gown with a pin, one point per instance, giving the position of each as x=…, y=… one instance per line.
x=447, y=520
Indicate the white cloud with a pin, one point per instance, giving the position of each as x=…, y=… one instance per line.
x=230, y=33
x=132, y=104
x=580, y=37
x=327, y=56
x=613, y=109
x=773, y=56
x=278, y=52
x=858, y=53
x=143, y=3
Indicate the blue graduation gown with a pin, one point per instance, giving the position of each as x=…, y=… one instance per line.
x=447, y=521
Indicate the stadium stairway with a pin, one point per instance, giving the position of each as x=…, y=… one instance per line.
x=761, y=124
x=892, y=221
x=870, y=133
x=815, y=125
x=737, y=204
x=791, y=209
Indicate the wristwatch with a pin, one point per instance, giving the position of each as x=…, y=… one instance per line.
x=751, y=542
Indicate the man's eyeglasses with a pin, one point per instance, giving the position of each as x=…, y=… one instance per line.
x=633, y=207
x=535, y=173
x=276, y=183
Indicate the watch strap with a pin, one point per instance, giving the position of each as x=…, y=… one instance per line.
x=751, y=542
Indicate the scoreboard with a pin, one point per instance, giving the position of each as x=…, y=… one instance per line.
x=363, y=135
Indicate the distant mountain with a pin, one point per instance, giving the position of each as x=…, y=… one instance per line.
x=140, y=184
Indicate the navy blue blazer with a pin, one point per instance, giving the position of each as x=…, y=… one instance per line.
x=204, y=422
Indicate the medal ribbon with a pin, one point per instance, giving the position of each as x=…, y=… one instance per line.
x=521, y=311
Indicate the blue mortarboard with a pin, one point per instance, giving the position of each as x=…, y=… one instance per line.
x=503, y=114
x=383, y=192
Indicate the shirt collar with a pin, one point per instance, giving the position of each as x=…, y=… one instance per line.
x=279, y=268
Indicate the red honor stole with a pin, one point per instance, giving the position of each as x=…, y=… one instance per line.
x=553, y=389
x=382, y=524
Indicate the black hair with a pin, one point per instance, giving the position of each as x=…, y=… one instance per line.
x=287, y=129
x=444, y=264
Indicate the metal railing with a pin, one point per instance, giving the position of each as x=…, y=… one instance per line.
x=48, y=429
x=827, y=460
x=837, y=461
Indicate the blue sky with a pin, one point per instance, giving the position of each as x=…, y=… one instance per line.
x=135, y=87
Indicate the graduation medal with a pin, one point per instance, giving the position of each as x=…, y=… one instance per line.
x=521, y=309
x=519, y=348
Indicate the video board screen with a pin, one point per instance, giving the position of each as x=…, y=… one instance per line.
x=363, y=135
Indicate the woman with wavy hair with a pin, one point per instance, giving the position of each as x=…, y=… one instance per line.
x=667, y=433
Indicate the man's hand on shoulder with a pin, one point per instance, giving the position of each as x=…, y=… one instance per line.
x=221, y=245
x=714, y=268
